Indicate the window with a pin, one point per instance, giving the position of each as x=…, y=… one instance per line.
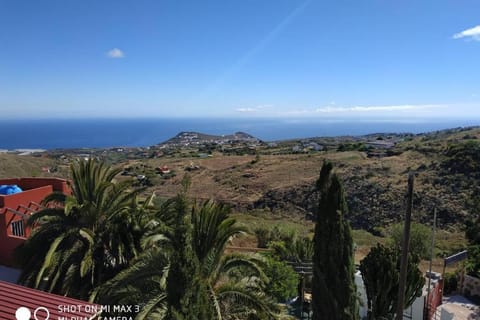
x=17, y=228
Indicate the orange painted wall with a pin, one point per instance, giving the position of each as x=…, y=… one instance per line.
x=24, y=198
x=32, y=183
x=35, y=189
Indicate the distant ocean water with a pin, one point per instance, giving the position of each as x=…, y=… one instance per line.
x=98, y=133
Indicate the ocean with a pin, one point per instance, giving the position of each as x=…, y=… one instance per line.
x=100, y=133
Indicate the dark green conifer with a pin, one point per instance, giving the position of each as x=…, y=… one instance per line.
x=333, y=290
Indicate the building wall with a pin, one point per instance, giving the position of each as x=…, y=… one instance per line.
x=35, y=190
x=60, y=185
x=415, y=311
x=24, y=198
x=7, y=248
x=363, y=308
x=9, y=274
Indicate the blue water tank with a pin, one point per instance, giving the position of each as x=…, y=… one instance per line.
x=7, y=189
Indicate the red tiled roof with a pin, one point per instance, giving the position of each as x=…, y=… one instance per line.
x=14, y=296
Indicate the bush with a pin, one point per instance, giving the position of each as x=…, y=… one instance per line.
x=463, y=158
x=450, y=283
x=472, y=229
x=420, y=239
x=473, y=262
x=263, y=237
x=283, y=279
x=295, y=249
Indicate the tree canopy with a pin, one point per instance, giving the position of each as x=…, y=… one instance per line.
x=420, y=239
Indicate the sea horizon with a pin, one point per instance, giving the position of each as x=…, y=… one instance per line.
x=57, y=133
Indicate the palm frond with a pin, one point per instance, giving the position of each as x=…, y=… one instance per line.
x=154, y=309
x=46, y=214
x=55, y=198
x=241, y=265
x=48, y=261
x=239, y=296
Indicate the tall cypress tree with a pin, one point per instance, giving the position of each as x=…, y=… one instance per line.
x=333, y=290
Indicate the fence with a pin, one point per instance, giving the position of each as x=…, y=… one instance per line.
x=434, y=299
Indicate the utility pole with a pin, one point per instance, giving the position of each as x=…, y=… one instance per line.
x=432, y=249
x=405, y=249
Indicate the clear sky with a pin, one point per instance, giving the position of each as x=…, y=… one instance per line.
x=248, y=58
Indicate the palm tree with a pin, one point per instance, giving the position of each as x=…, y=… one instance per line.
x=294, y=250
x=84, y=238
x=234, y=282
x=143, y=283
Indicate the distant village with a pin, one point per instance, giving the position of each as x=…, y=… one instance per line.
x=199, y=145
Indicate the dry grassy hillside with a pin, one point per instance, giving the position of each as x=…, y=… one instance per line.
x=23, y=166
x=278, y=190
x=375, y=186
x=283, y=184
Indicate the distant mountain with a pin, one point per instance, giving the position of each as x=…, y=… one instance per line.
x=186, y=138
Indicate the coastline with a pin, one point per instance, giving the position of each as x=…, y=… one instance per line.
x=52, y=134
x=22, y=151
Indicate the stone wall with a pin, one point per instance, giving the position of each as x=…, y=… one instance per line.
x=471, y=287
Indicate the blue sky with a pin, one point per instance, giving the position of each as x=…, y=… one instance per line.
x=240, y=58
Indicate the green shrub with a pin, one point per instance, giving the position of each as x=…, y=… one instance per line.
x=472, y=229
x=263, y=237
x=295, y=250
x=473, y=262
x=450, y=283
x=420, y=239
x=283, y=279
x=463, y=157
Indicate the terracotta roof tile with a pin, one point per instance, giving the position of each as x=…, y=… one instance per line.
x=14, y=296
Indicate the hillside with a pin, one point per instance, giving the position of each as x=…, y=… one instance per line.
x=275, y=181
x=12, y=165
x=375, y=179
x=196, y=138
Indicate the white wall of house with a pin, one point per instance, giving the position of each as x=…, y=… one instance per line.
x=415, y=311
x=362, y=295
